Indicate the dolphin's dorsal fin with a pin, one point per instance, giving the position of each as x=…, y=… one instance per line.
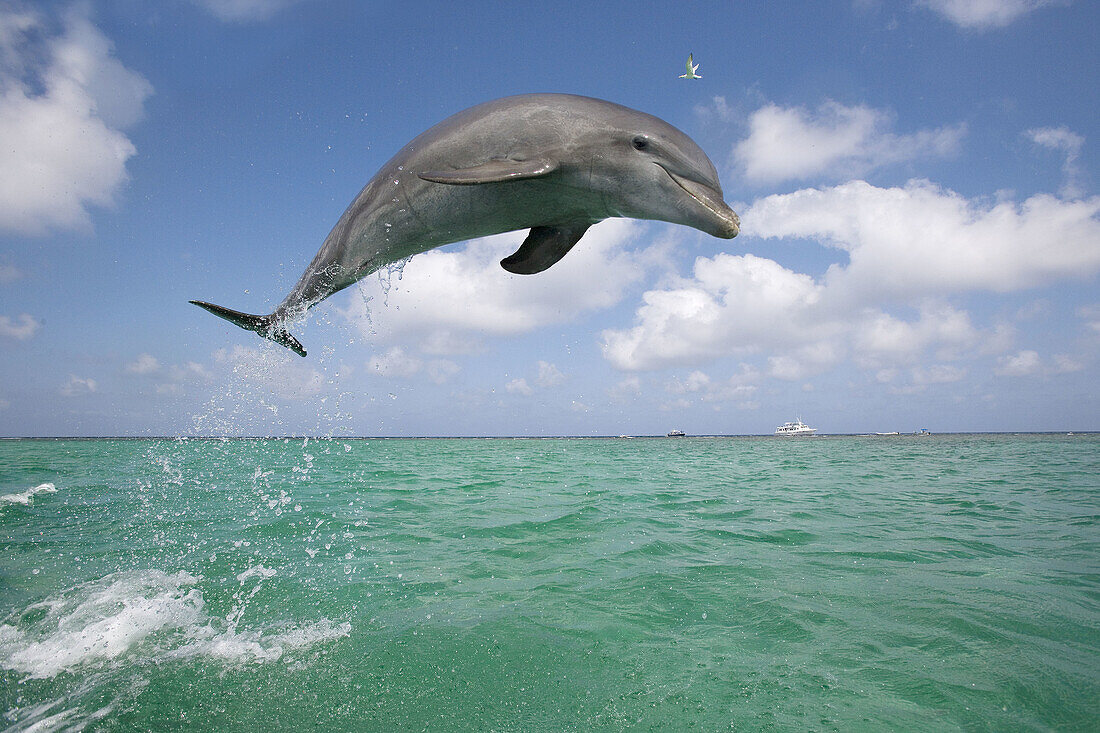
x=493, y=171
x=543, y=247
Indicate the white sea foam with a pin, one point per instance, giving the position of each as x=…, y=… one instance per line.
x=259, y=571
x=142, y=615
x=98, y=622
x=26, y=498
x=258, y=646
x=35, y=719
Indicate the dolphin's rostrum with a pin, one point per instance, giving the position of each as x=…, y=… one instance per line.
x=554, y=163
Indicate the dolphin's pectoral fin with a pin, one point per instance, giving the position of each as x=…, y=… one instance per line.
x=494, y=171
x=543, y=247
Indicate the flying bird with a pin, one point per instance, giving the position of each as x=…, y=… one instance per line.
x=691, y=67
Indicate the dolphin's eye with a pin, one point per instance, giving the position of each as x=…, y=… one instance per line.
x=640, y=142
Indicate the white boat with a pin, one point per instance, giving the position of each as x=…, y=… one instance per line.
x=795, y=428
x=677, y=434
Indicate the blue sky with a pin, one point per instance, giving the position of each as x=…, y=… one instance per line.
x=916, y=181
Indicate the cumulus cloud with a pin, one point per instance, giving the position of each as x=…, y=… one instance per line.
x=733, y=305
x=921, y=239
x=1022, y=364
x=20, y=327
x=737, y=306
x=718, y=109
x=1069, y=143
x=885, y=339
x=77, y=386
x=737, y=389
x=1091, y=316
x=834, y=141
x=519, y=386
x=905, y=246
x=1029, y=363
x=938, y=374
x=441, y=370
x=446, y=301
x=143, y=364
x=64, y=102
x=273, y=370
x=625, y=389
x=549, y=375
x=983, y=14
x=171, y=378
x=244, y=11
x=395, y=363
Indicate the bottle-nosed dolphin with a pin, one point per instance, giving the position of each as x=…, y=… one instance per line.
x=691, y=69
x=554, y=163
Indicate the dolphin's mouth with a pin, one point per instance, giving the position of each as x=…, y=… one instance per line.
x=711, y=200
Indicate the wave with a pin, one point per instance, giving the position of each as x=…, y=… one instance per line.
x=26, y=498
x=142, y=615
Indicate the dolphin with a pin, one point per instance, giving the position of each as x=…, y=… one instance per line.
x=553, y=163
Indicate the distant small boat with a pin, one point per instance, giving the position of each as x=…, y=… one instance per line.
x=893, y=433
x=677, y=434
x=796, y=428
x=923, y=431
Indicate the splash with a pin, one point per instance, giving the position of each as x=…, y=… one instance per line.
x=145, y=615
x=386, y=277
x=26, y=498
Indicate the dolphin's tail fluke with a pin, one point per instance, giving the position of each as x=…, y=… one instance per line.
x=267, y=326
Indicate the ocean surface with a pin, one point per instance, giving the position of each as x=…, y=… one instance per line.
x=949, y=582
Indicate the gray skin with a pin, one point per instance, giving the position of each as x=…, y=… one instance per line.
x=554, y=163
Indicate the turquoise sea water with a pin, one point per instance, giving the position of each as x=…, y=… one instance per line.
x=892, y=583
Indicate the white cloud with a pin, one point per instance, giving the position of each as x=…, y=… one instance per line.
x=692, y=383
x=1022, y=364
x=983, y=14
x=63, y=147
x=169, y=379
x=395, y=363
x=625, y=390
x=549, y=375
x=736, y=389
x=1069, y=143
x=737, y=306
x=77, y=386
x=243, y=11
x=1028, y=363
x=448, y=300
x=177, y=376
x=835, y=141
x=20, y=327
x=9, y=274
x=884, y=339
x=938, y=374
x=144, y=364
x=1064, y=363
x=274, y=370
x=1091, y=315
x=519, y=386
x=904, y=247
x=921, y=239
x=718, y=109
x=733, y=305
x=441, y=370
